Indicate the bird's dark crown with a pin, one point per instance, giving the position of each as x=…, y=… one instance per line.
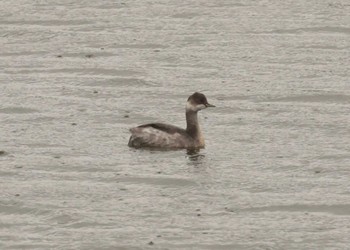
x=198, y=98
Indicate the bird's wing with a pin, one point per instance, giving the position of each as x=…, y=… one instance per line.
x=157, y=135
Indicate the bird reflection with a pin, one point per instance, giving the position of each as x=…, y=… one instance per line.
x=195, y=156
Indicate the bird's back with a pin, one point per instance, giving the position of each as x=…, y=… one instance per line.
x=159, y=135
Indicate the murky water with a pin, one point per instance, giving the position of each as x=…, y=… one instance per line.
x=75, y=75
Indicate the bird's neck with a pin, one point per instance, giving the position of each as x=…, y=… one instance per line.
x=193, y=128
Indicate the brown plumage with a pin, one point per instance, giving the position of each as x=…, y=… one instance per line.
x=160, y=135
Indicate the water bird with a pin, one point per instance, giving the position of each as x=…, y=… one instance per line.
x=165, y=136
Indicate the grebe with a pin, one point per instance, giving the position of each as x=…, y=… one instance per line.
x=159, y=135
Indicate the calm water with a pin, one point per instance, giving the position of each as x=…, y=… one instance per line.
x=75, y=75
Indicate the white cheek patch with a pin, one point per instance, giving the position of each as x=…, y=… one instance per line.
x=201, y=106
x=191, y=107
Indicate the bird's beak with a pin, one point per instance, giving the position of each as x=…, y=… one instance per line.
x=209, y=105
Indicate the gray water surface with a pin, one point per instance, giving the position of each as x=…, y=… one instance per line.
x=76, y=75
